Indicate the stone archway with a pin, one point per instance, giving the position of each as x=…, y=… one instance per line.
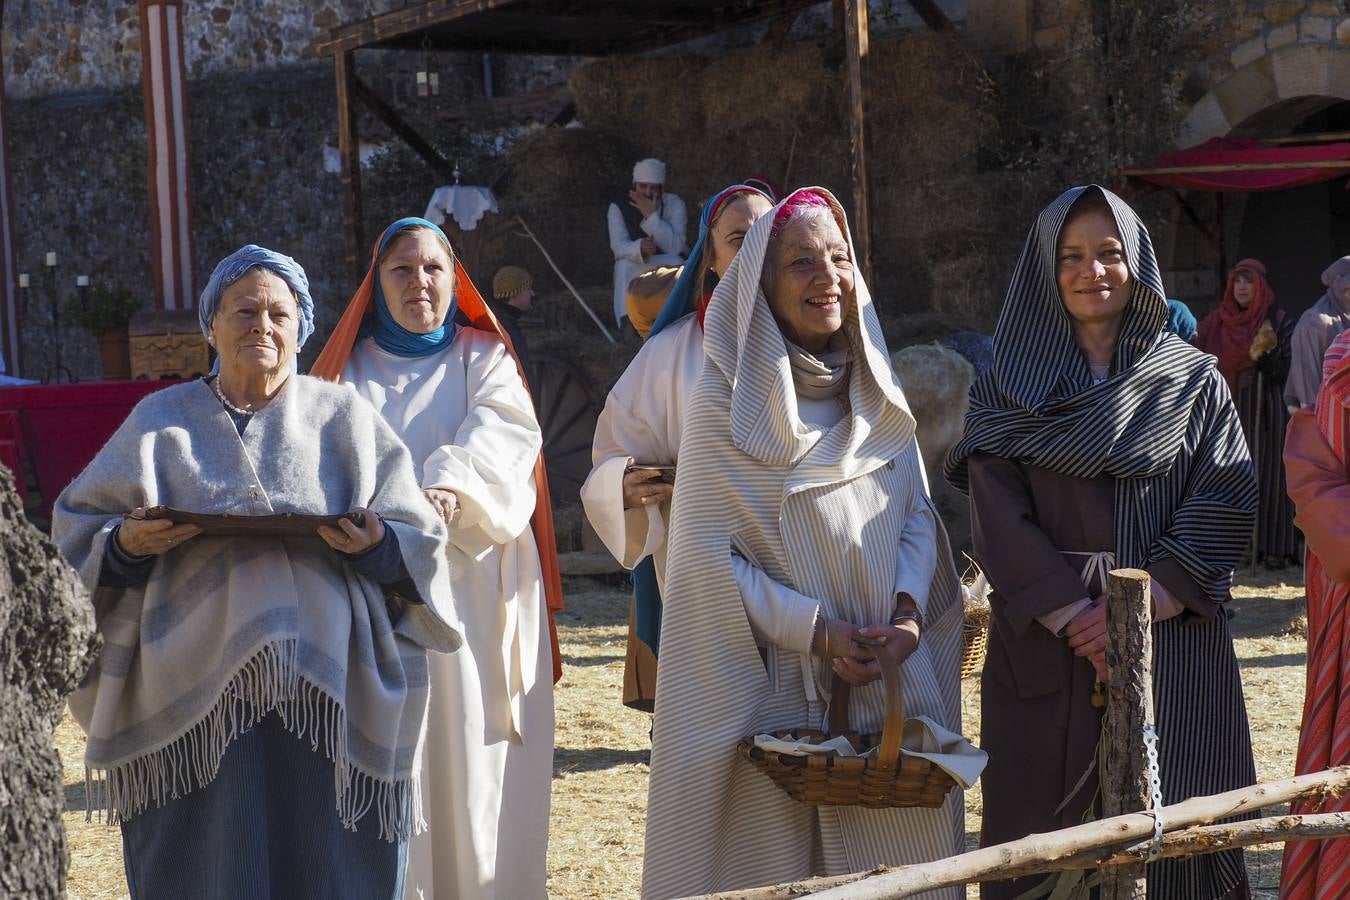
x=1297, y=79
x=1269, y=85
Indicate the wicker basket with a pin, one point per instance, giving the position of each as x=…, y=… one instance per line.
x=886, y=780
x=975, y=628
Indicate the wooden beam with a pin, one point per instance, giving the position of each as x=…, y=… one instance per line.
x=1129, y=711
x=932, y=15
x=1104, y=839
x=401, y=22
x=856, y=47
x=400, y=127
x=1321, y=137
x=1238, y=167
x=1187, y=842
x=349, y=153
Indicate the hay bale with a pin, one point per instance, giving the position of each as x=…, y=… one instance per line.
x=561, y=181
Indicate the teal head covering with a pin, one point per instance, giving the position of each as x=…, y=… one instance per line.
x=391, y=336
x=681, y=301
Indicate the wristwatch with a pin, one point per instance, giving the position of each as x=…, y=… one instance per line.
x=913, y=615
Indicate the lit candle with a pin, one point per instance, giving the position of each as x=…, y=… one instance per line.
x=23, y=279
x=82, y=281
x=51, y=258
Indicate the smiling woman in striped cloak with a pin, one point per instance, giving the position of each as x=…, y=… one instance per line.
x=1098, y=440
x=800, y=522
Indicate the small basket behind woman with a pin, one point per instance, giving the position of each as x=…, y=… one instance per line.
x=975, y=630
x=879, y=780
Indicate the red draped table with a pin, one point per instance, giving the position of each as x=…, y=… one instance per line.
x=60, y=427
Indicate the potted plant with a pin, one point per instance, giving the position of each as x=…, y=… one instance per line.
x=105, y=314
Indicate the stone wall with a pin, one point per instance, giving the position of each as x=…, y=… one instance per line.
x=96, y=44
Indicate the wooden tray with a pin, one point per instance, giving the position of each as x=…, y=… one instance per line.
x=229, y=525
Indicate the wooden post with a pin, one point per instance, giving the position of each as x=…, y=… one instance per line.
x=1129, y=710
x=349, y=153
x=856, y=48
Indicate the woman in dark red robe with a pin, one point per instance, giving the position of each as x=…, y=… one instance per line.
x=1250, y=336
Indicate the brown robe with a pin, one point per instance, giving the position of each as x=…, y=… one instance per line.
x=1037, y=721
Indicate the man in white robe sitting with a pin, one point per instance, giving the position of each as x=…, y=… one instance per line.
x=645, y=231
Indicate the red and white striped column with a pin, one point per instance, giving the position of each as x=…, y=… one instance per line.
x=10, y=343
x=164, y=82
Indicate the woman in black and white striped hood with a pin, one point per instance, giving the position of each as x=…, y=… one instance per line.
x=1099, y=440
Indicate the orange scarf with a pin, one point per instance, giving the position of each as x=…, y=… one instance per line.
x=333, y=358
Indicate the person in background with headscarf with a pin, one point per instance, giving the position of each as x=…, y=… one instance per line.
x=800, y=526
x=646, y=229
x=627, y=503
x=456, y=396
x=1250, y=336
x=1317, y=454
x=259, y=702
x=1098, y=441
x=1181, y=321
x=1317, y=328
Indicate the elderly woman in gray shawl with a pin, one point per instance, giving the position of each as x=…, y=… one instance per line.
x=800, y=524
x=256, y=715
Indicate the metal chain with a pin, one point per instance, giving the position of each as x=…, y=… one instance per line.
x=1155, y=789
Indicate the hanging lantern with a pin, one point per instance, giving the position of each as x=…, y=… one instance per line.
x=428, y=82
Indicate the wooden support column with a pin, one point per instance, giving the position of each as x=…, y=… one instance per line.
x=164, y=85
x=349, y=153
x=11, y=343
x=856, y=47
x=1129, y=710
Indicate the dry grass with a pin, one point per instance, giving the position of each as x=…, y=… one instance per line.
x=600, y=764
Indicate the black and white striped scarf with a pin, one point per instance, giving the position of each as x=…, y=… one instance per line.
x=1162, y=422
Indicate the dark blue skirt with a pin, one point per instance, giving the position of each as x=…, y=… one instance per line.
x=265, y=828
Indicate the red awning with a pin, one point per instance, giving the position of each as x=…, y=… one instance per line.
x=1233, y=164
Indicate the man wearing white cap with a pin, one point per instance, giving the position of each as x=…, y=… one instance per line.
x=646, y=230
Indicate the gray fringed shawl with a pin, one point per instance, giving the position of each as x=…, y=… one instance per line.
x=228, y=630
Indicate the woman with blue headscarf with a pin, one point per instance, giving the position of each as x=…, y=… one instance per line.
x=626, y=500
x=456, y=397
x=259, y=701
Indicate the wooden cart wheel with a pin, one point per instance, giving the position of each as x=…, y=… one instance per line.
x=568, y=406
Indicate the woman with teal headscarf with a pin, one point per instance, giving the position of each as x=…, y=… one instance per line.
x=456, y=398
x=637, y=437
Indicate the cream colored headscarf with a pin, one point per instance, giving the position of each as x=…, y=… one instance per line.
x=820, y=512
x=744, y=342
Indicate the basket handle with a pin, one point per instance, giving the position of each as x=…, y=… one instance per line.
x=892, y=732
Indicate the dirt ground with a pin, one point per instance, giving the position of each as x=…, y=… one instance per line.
x=600, y=764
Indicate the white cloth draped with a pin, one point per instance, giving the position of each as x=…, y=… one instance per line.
x=667, y=227
x=641, y=423
x=465, y=203
x=470, y=426
x=819, y=511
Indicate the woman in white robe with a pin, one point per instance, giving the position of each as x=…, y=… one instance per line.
x=456, y=398
x=800, y=524
x=641, y=423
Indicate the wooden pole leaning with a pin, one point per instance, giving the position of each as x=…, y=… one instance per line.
x=1127, y=777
